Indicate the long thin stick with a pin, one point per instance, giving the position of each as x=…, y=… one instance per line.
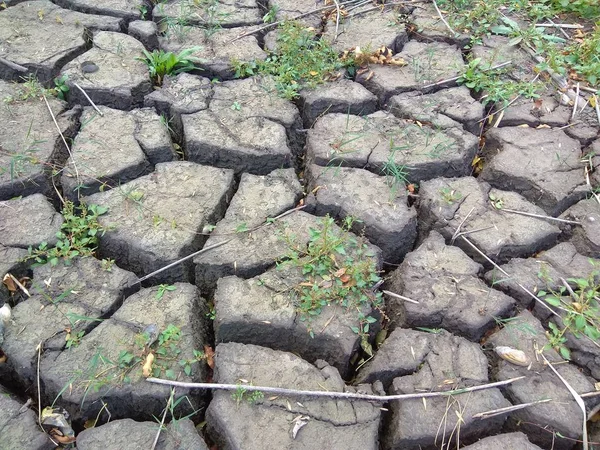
x=328, y=394
x=508, y=409
x=539, y=216
x=401, y=297
x=442, y=17
x=337, y=18
x=179, y=261
x=448, y=80
x=63, y=139
x=13, y=65
x=538, y=300
x=162, y=422
x=560, y=25
x=575, y=395
x=88, y=99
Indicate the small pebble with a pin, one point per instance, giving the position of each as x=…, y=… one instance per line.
x=89, y=67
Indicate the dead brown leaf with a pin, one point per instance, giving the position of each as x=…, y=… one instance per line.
x=210, y=356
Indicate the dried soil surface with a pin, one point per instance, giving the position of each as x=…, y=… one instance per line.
x=204, y=162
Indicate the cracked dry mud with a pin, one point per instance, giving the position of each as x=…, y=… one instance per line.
x=235, y=154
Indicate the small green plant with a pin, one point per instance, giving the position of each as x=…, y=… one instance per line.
x=450, y=196
x=338, y=269
x=241, y=394
x=61, y=89
x=107, y=264
x=162, y=288
x=301, y=60
x=78, y=235
x=271, y=14
x=161, y=63
x=495, y=88
x=581, y=312
x=74, y=339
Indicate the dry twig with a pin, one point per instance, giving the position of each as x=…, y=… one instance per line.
x=88, y=99
x=329, y=394
x=435, y=5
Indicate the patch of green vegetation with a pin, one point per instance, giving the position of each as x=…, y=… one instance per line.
x=576, y=58
x=481, y=78
x=241, y=394
x=450, y=196
x=300, y=61
x=31, y=88
x=162, y=289
x=78, y=235
x=580, y=312
x=161, y=63
x=338, y=269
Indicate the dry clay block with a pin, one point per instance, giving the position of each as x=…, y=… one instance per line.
x=19, y=427
x=380, y=142
x=426, y=64
x=114, y=148
x=265, y=311
x=387, y=222
x=60, y=296
x=426, y=362
x=107, y=362
x=31, y=144
x=258, y=198
x=29, y=221
x=157, y=219
x=542, y=165
x=126, y=434
x=447, y=204
x=445, y=282
x=214, y=48
x=247, y=128
x=121, y=79
x=562, y=416
x=116, y=8
x=62, y=32
x=330, y=423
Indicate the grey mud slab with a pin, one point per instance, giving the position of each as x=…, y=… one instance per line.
x=29, y=221
x=503, y=441
x=355, y=193
x=158, y=218
x=62, y=31
x=121, y=81
x=367, y=30
x=114, y=148
x=585, y=236
x=99, y=372
x=451, y=296
x=544, y=166
x=443, y=360
x=563, y=415
x=222, y=13
x=330, y=423
x=426, y=64
x=126, y=434
x=381, y=141
x=448, y=108
x=264, y=311
x=215, y=48
x=129, y=10
x=19, y=426
x=60, y=296
x=31, y=145
x=253, y=253
x=449, y=203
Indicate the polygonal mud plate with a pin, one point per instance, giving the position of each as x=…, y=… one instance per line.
x=562, y=416
x=114, y=148
x=216, y=14
x=445, y=282
x=65, y=301
x=105, y=367
x=31, y=144
x=116, y=8
x=121, y=80
x=157, y=219
x=380, y=141
x=426, y=65
x=63, y=32
x=330, y=423
x=476, y=209
x=216, y=51
x=386, y=220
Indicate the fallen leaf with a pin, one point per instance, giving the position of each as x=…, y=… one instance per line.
x=147, y=368
x=210, y=356
x=9, y=283
x=299, y=422
x=339, y=272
